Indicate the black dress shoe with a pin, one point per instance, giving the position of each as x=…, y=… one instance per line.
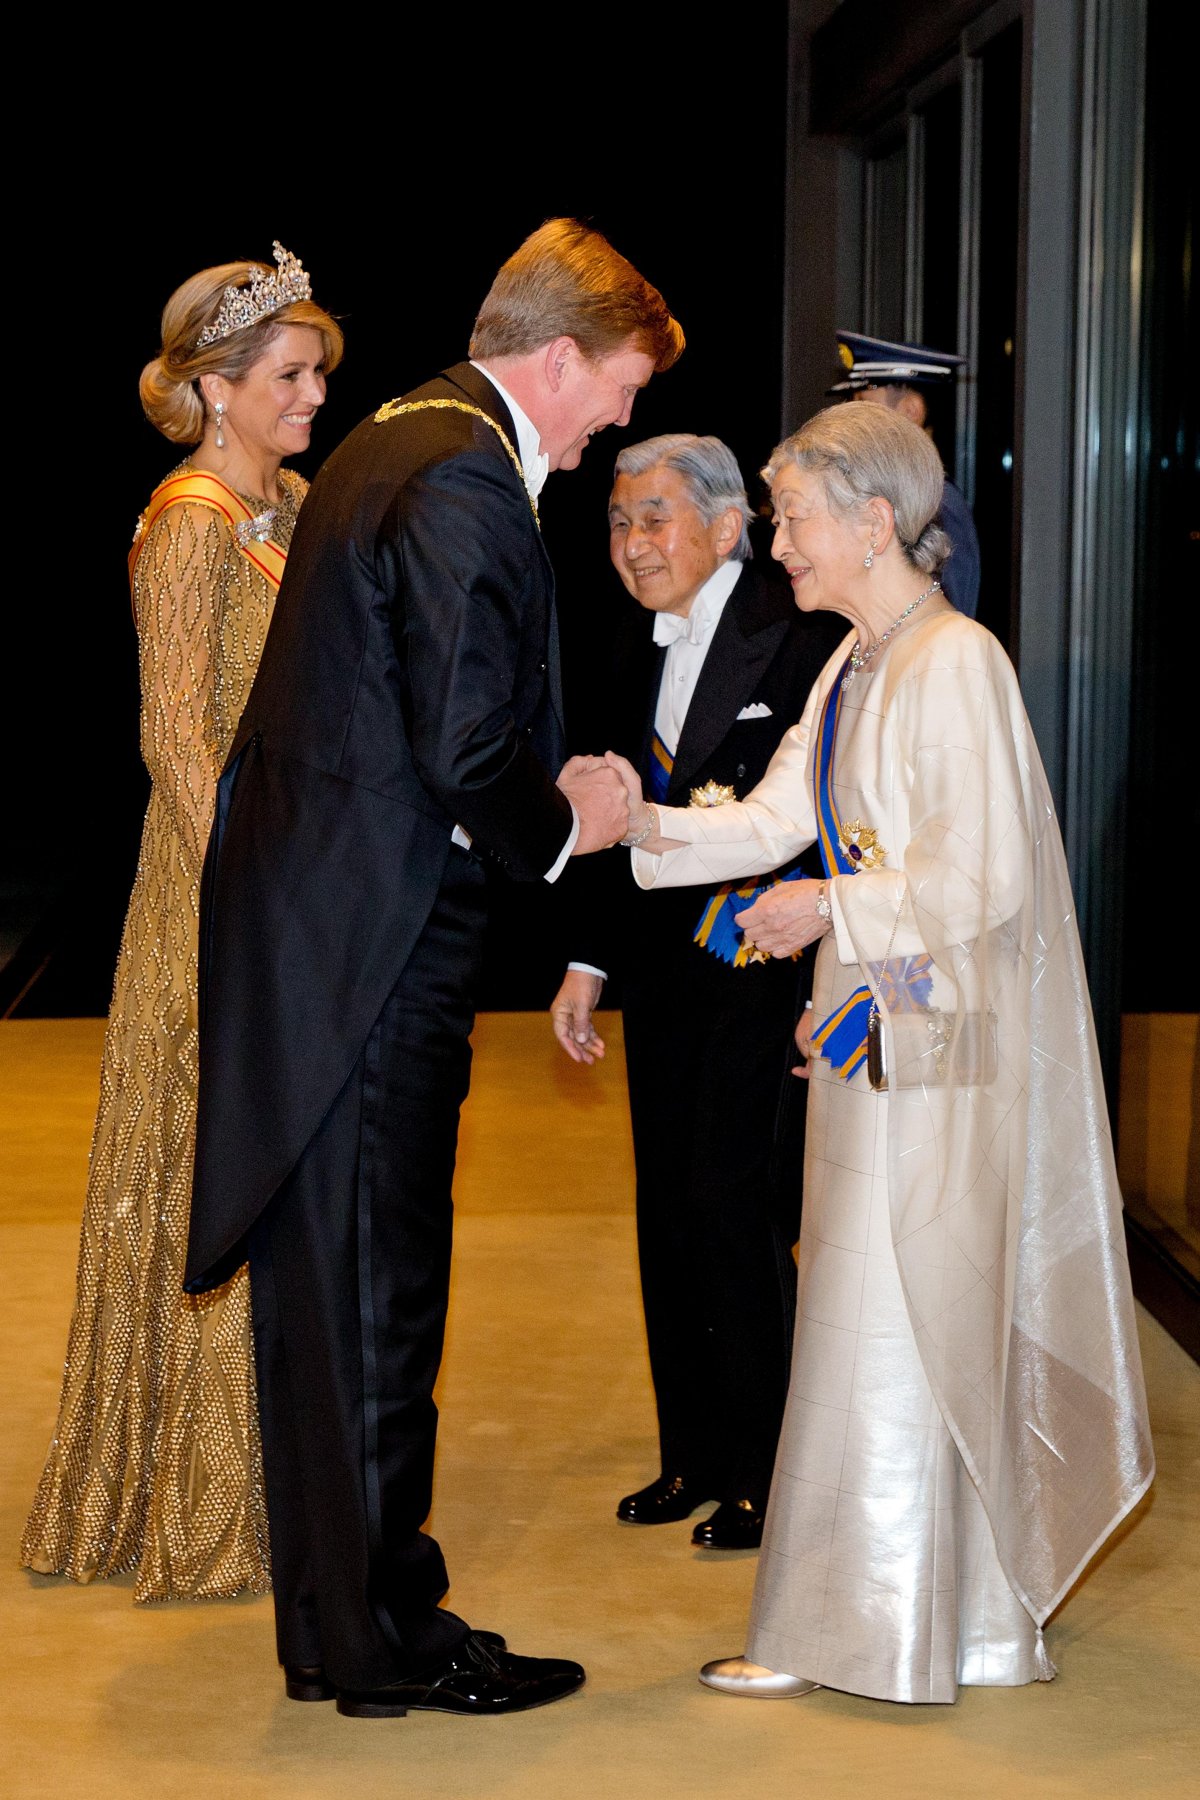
x=736, y=1525
x=669, y=1498
x=309, y=1681
x=478, y=1678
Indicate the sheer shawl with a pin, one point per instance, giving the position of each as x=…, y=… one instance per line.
x=1006, y=1215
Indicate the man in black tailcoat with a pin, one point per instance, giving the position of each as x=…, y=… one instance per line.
x=712, y=672
x=405, y=723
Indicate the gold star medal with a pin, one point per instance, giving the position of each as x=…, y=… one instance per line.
x=861, y=845
x=712, y=794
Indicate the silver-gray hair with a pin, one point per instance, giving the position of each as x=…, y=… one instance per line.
x=864, y=452
x=709, y=472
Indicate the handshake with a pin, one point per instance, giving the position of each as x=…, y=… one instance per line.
x=606, y=792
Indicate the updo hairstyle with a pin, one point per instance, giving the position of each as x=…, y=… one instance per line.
x=861, y=452
x=170, y=385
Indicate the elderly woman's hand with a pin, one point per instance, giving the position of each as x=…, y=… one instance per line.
x=631, y=778
x=784, y=919
x=643, y=819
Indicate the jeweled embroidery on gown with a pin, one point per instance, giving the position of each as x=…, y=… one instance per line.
x=156, y=1462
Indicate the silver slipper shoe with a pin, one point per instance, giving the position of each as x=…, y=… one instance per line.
x=735, y=1675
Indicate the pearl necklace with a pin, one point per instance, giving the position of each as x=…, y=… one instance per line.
x=860, y=658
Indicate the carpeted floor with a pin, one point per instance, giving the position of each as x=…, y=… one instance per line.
x=547, y=1419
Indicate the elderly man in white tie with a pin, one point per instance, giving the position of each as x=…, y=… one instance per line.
x=707, y=677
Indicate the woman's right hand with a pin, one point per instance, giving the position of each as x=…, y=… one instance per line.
x=641, y=814
x=633, y=786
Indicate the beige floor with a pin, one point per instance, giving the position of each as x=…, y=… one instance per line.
x=546, y=1421
x=1159, y=1160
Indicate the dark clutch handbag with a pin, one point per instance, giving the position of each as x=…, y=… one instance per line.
x=927, y=1051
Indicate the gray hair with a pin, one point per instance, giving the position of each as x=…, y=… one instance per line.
x=864, y=452
x=709, y=471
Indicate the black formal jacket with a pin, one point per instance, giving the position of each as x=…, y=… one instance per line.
x=960, y=574
x=409, y=682
x=765, y=651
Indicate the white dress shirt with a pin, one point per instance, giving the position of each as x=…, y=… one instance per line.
x=688, y=640
x=535, y=466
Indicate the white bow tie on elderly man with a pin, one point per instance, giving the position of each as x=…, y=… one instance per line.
x=669, y=628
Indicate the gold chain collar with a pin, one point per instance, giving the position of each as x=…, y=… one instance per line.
x=393, y=408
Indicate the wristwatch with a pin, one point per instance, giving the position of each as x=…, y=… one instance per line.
x=824, y=909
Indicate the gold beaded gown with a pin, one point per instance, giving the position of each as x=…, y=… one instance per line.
x=156, y=1462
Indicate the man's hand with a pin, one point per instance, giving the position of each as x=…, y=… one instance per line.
x=784, y=919
x=580, y=765
x=600, y=798
x=571, y=1015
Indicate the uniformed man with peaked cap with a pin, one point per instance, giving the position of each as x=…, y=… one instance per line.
x=898, y=376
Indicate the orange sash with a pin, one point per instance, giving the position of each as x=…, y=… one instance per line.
x=203, y=489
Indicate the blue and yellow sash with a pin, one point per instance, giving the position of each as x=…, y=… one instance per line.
x=658, y=775
x=716, y=930
x=842, y=1037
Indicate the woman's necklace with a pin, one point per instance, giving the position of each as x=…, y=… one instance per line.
x=860, y=658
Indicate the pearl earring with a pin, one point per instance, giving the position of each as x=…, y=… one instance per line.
x=219, y=409
x=868, y=559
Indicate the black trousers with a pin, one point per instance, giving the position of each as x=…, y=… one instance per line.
x=718, y=1142
x=349, y=1272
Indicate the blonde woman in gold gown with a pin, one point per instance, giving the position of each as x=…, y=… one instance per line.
x=155, y=1464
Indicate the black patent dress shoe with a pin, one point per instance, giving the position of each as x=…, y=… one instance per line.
x=308, y=1681
x=736, y=1525
x=669, y=1498
x=477, y=1679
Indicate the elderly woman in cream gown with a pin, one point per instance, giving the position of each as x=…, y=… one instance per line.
x=966, y=1421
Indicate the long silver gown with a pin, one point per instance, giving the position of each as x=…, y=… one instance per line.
x=966, y=1421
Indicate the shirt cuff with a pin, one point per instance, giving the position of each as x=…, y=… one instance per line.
x=560, y=861
x=589, y=969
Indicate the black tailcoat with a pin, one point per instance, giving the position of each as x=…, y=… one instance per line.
x=717, y=1118
x=409, y=683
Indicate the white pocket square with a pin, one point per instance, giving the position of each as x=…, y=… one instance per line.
x=757, y=711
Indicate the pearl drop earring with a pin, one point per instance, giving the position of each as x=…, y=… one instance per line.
x=219, y=409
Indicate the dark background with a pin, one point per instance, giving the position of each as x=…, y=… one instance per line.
x=401, y=199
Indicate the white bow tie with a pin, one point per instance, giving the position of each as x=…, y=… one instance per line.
x=669, y=628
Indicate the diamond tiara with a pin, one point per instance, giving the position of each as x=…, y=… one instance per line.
x=266, y=294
